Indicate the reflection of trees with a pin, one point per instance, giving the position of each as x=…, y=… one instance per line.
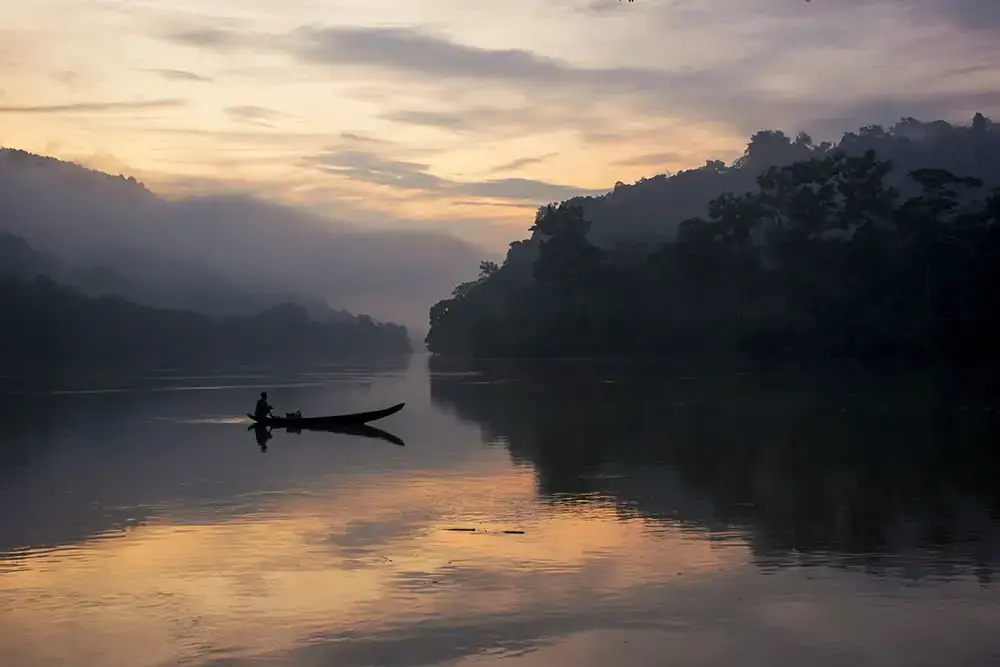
x=810, y=462
x=45, y=507
x=76, y=465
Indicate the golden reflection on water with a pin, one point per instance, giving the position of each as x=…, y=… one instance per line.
x=369, y=554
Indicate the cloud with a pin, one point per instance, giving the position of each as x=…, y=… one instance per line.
x=634, y=76
x=69, y=79
x=249, y=137
x=181, y=75
x=542, y=113
x=521, y=188
x=206, y=37
x=89, y=107
x=467, y=120
x=600, y=8
x=253, y=115
x=506, y=122
x=509, y=204
x=973, y=15
x=413, y=50
x=653, y=159
x=521, y=162
x=355, y=138
x=787, y=65
x=372, y=168
x=553, y=87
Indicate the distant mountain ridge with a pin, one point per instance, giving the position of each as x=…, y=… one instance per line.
x=198, y=293
x=72, y=175
x=220, y=254
x=130, y=272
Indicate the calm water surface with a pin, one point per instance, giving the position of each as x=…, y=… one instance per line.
x=670, y=517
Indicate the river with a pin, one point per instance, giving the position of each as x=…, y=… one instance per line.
x=571, y=514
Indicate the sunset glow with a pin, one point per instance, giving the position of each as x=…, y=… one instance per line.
x=463, y=116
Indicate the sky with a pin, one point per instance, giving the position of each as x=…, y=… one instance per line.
x=461, y=115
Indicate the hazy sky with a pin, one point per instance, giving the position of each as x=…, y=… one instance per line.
x=465, y=115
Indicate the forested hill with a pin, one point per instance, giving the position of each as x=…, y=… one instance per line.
x=219, y=252
x=844, y=252
x=189, y=290
x=64, y=175
x=47, y=324
x=98, y=217
x=652, y=208
x=19, y=259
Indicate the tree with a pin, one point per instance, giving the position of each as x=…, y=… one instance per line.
x=487, y=269
x=837, y=252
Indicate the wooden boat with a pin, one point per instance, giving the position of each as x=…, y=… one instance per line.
x=351, y=419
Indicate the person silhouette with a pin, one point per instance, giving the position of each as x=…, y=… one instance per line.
x=263, y=410
x=263, y=435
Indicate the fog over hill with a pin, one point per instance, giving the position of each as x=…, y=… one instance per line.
x=220, y=254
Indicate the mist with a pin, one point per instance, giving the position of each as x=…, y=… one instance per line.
x=227, y=244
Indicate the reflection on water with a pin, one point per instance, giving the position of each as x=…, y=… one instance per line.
x=620, y=515
x=859, y=468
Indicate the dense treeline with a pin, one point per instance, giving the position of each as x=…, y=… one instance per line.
x=834, y=255
x=46, y=324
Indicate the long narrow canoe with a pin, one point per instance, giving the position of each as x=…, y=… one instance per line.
x=351, y=419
